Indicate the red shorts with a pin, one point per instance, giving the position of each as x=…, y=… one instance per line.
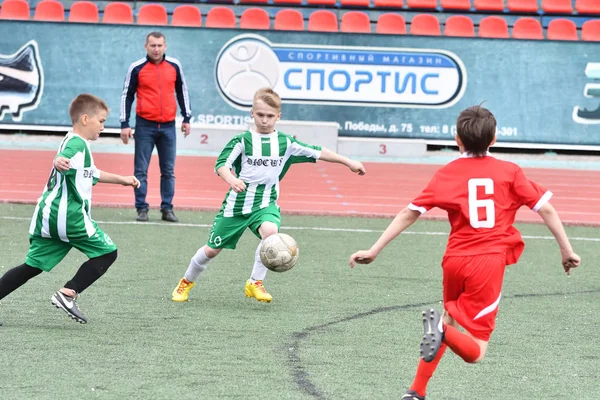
x=472, y=290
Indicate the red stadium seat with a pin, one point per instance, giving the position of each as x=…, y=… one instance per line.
x=425, y=25
x=355, y=3
x=493, y=27
x=186, y=15
x=49, y=10
x=456, y=4
x=527, y=28
x=557, y=6
x=117, y=13
x=323, y=21
x=429, y=4
x=255, y=18
x=588, y=6
x=391, y=24
x=289, y=20
x=254, y=1
x=15, y=9
x=220, y=17
x=562, y=29
x=152, y=14
x=355, y=21
x=295, y=2
x=321, y=2
x=84, y=11
x=459, y=25
x=388, y=3
x=489, y=5
x=590, y=31
x=523, y=6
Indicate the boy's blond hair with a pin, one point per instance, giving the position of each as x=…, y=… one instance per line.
x=86, y=104
x=269, y=97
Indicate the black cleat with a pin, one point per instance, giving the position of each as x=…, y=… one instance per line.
x=432, y=335
x=142, y=216
x=169, y=215
x=68, y=305
x=412, y=395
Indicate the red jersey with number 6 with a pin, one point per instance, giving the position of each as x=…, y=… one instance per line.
x=482, y=196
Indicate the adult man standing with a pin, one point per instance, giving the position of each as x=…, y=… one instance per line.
x=154, y=79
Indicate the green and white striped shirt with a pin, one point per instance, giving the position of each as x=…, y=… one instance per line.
x=63, y=210
x=260, y=161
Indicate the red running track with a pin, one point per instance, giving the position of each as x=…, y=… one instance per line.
x=316, y=189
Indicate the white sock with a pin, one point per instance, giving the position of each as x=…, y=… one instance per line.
x=259, y=271
x=198, y=263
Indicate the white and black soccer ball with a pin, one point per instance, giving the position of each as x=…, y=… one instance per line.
x=279, y=252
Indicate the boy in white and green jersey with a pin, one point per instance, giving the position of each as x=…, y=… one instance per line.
x=62, y=218
x=253, y=163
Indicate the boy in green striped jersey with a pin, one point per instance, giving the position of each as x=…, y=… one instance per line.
x=252, y=164
x=62, y=218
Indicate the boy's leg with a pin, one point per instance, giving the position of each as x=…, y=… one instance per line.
x=225, y=233
x=144, y=144
x=15, y=278
x=166, y=143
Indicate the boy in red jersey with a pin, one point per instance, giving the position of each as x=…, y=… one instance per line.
x=481, y=195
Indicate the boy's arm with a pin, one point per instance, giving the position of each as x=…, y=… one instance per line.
x=552, y=221
x=107, y=177
x=403, y=220
x=330, y=156
x=236, y=184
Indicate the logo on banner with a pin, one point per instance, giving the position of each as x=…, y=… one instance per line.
x=591, y=90
x=21, y=81
x=339, y=75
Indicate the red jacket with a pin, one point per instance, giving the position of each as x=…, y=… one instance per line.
x=155, y=85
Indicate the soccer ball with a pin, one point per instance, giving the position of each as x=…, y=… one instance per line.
x=279, y=252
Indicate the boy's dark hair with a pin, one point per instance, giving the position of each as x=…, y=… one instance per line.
x=476, y=128
x=155, y=35
x=86, y=104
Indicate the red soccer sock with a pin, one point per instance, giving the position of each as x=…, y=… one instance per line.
x=425, y=371
x=461, y=344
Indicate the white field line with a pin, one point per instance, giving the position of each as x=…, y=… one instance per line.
x=302, y=228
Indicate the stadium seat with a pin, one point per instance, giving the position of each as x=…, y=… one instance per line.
x=152, y=14
x=489, y=5
x=186, y=15
x=425, y=25
x=527, y=28
x=388, y=3
x=456, y=4
x=355, y=3
x=557, y=6
x=588, y=6
x=254, y=1
x=84, y=11
x=493, y=27
x=15, y=9
x=323, y=21
x=590, y=31
x=391, y=24
x=562, y=29
x=220, y=17
x=255, y=18
x=428, y=4
x=289, y=20
x=355, y=21
x=117, y=13
x=459, y=25
x=49, y=10
x=523, y=6
x=294, y=2
x=321, y=2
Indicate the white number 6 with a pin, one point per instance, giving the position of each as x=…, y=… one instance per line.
x=475, y=204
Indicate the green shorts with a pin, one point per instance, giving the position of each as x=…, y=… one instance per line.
x=227, y=231
x=46, y=253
